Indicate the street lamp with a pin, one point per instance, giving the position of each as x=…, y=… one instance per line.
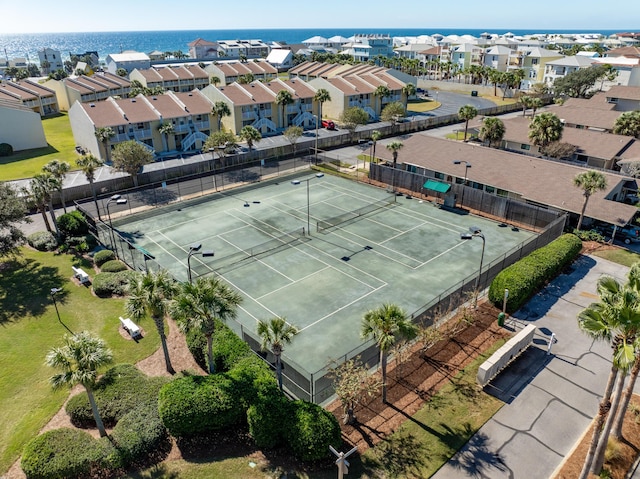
x=475, y=231
x=195, y=249
x=297, y=182
x=53, y=293
x=467, y=165
x=119, y=201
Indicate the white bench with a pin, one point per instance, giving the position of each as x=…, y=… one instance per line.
x=80, y=275
x=505, y=354
x=132, y=328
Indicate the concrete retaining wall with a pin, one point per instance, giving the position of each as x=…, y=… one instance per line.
x=503, y=356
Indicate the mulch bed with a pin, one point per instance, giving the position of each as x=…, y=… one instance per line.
x=418, y=378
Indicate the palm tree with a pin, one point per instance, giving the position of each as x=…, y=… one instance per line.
x=251, y=135
x=381, y=92
x=535, y=104
x=375, y=136
x=394, y=147
x=466, y=113
x=36, y=195
x=284, y=98
x=215, y=81
x=198, y=305
x=104, y=134
x=89, y=164
x=605, y=321
x=492, y=130
x=408, y=90
x=526, y=102
x=275, y=334
x=42, y=186
x=386, y=325
x=58, y=169
x=151, y=294
x=628, y=124
x=495, y=77
x=590, y=182
x=633, y=281
x=321, y=96
x=220, y=109
x=165, y=130
x=545, y=129
x=80, y=359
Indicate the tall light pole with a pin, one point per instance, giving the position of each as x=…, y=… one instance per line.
x=477, y=232
x=297, y=182
x=53, y=293
x=195, y=249
x=119, y=201
x=467, y=165
x=317, y=121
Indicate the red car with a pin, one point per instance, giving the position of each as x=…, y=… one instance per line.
x=328, y=124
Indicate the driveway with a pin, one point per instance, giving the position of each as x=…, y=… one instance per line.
x=550, y=400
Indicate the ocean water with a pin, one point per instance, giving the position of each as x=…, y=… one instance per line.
x=26, y=45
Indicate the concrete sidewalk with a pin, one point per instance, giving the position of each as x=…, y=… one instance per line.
x=550, y=399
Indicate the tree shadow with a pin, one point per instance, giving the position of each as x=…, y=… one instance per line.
x=477, y=460
x=400, y=455
x=17, y=299
x=159, y=471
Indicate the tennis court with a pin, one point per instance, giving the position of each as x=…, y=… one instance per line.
x=267, y=245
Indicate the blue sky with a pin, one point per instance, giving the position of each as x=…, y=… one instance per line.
x=35, y=16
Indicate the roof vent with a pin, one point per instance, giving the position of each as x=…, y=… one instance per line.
x=133, y=100
x=154, y=97
x=92, y=105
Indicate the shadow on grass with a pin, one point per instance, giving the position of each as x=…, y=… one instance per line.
x=26, y=285
x=29, y=154
x=400, y=455
x=158, y=471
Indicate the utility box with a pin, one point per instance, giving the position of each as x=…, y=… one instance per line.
x=474, y=92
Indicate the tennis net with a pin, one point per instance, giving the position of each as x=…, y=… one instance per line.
x=281, y=241
x=329, y=223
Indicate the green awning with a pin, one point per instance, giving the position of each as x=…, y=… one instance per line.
x=437, y=186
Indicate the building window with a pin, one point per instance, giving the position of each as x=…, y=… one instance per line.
x=489, y=189
x=439, y=176
x=524, y=146
x=503, y=193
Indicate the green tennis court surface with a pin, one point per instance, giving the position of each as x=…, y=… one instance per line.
x=406, y=252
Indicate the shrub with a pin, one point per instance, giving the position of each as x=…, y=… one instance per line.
x=254, y=380
x=43, y=241
x=199, y=404
x=268, y=418
x=103, y=256
x=113, y=266
x=61, y=453
x=6, y=149
x=197, y=344
x=525, y=277
x=73, y=224
x=589, y=235
x=311, y=430
x=228, y=348
x=109, y=284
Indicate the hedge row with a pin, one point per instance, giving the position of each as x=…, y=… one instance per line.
x=103, y=256
x=527, y=276
x=113, y=266
x=42, y=241
x=125, y=396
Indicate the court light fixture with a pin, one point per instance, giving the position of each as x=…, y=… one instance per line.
x=475, y=231
x=195, y=249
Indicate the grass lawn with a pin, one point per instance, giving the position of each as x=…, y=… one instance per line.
x=418, y=449
x=618, y=255
x=420, y=106
x=26, y=163
x=30, y=328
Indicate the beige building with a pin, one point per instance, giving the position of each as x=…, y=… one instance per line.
x=84, y=89
x=20, y=126
x=180, y=78
x=38, y=98
x=255, y=104
x=229, y=72
x=140, y=119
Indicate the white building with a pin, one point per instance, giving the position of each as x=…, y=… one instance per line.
x=20, y=126
x=52, y=58
x=128, y=60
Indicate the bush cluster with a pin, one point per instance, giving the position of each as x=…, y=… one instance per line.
x=527, y=276
x=589, y=235
x=311, y=431
x=126, y=398
x=103, y=256
x=228, y=348
x=72, y=224
x=113, y=266
x=109, y=284
x=42, y=241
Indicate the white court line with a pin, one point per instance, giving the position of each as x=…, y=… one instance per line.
x=341, y=308
x=293, y=282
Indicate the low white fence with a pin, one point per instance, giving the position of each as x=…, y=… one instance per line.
x=503, y=356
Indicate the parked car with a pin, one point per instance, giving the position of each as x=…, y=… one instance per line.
x=631, y=199
x=625, y=233
x=328, y=124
